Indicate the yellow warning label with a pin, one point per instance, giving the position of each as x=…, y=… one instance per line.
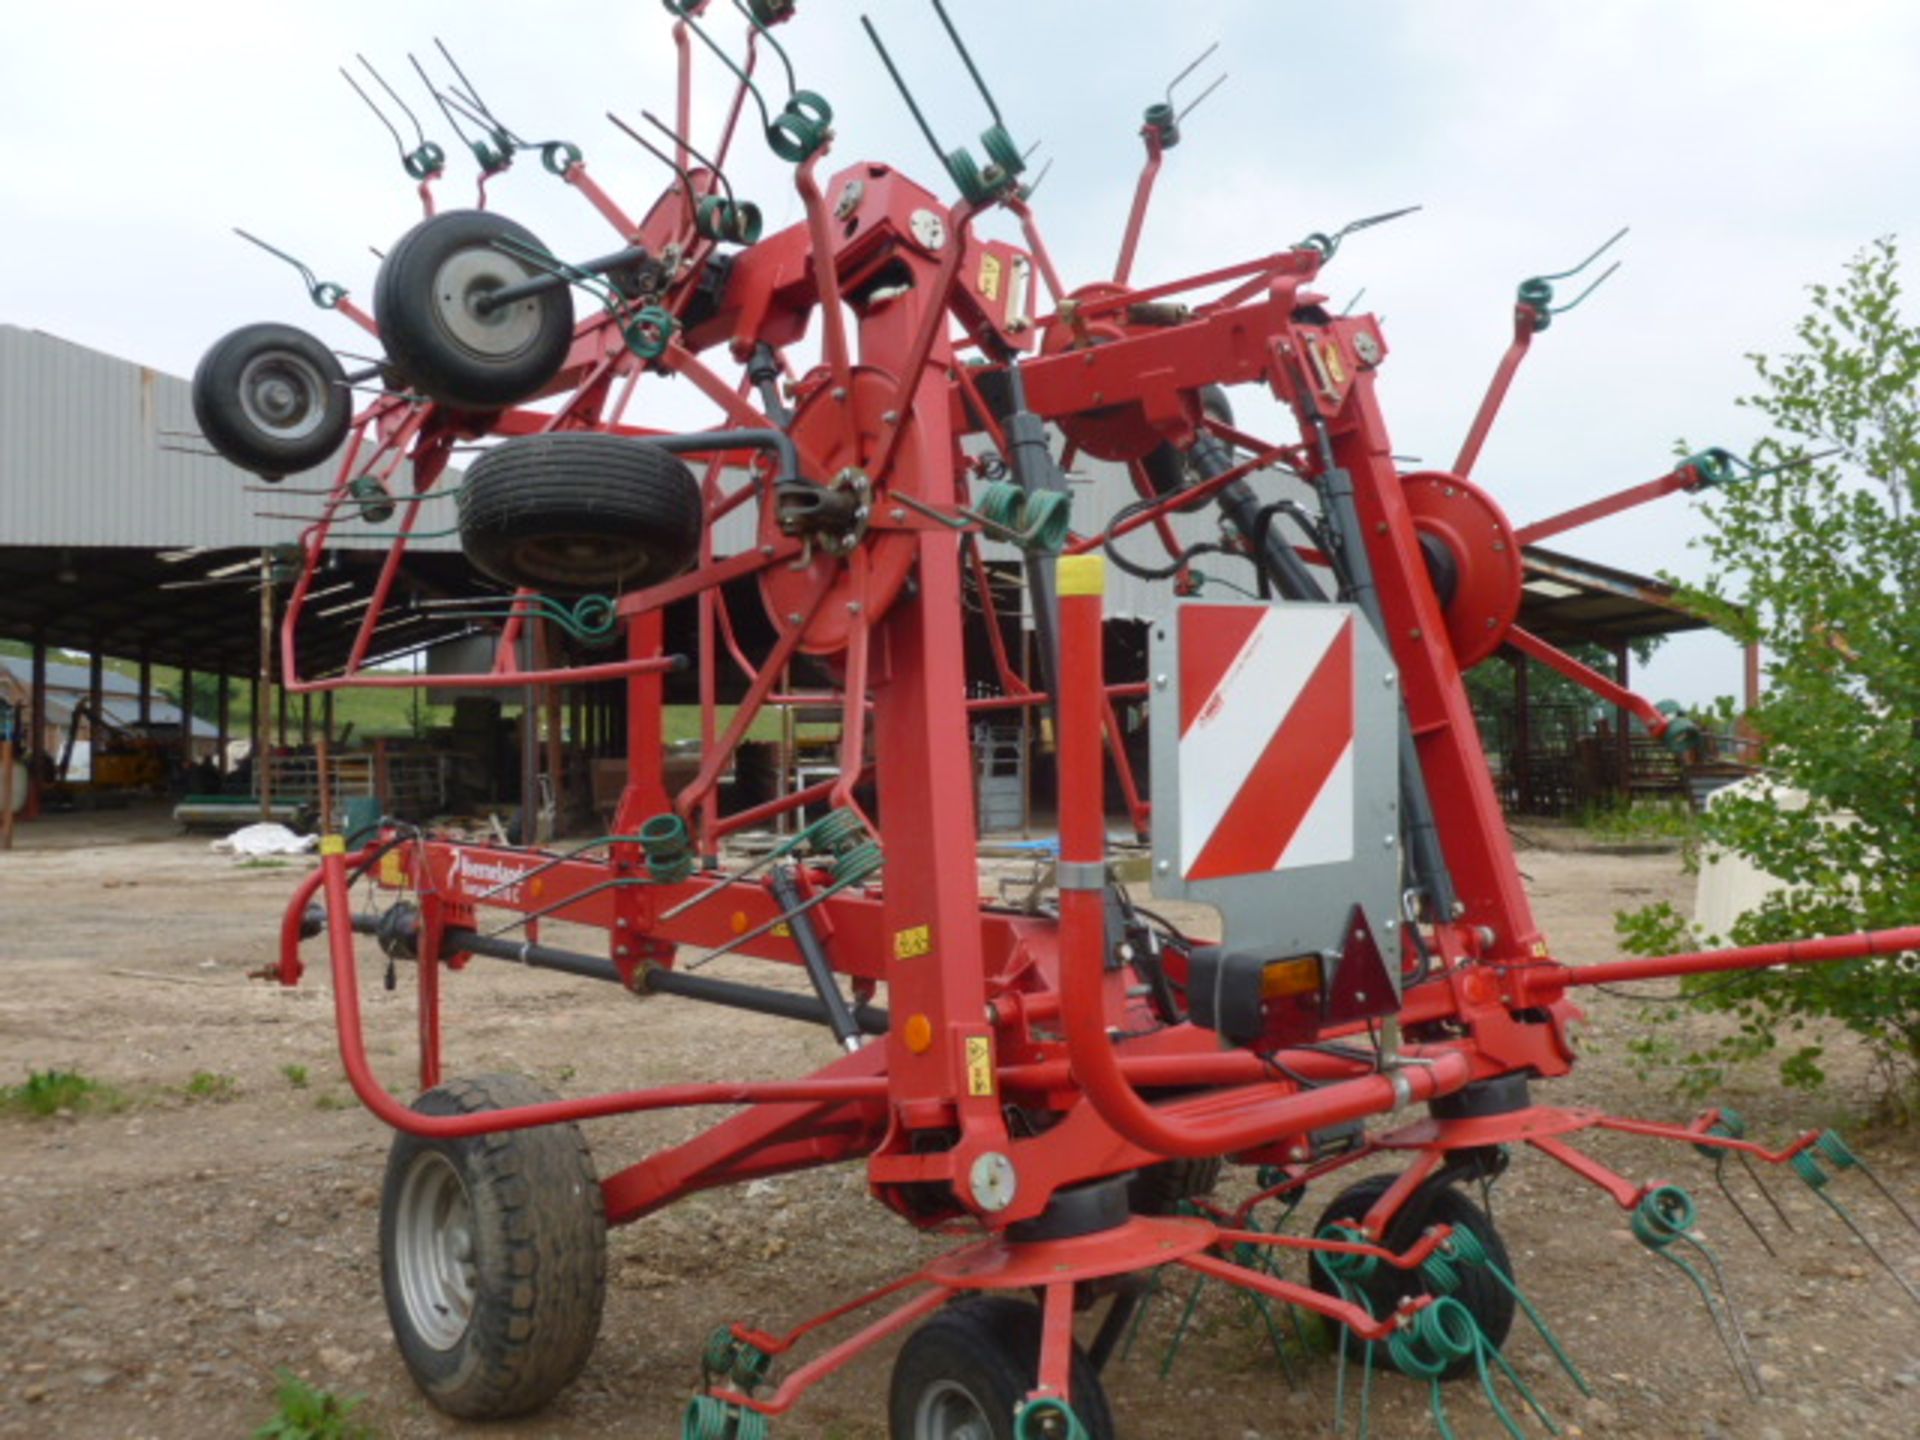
x=1336, y=365
x=979, y=1065
x=911, y=944
x=783, y=930
x=393, y=870
x=333, y=844
x=990, y=276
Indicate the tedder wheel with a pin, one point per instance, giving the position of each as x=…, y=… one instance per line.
x=962, y=1375
x=576, y=510
x=1159, y=1188
x=493, y=1255
x=1435, y=1203
x=272, y=399
x=430, y=300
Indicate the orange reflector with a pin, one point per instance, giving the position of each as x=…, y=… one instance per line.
x=1284, y=978
x=739, y=922
x=918, y=1034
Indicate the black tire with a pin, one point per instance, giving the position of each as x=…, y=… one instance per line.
x=272, y=399
x=577, y=511
x=1158, y=1189
x=1487, y=1300
x=973, y=1363
x=425, y=300
x=535, y=1265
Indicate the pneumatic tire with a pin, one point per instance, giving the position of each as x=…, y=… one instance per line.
x=576, y=511
x=272, y=399
x=1436, y=1203
x=493, y=1255
x=963, y=1375
x=429, y=297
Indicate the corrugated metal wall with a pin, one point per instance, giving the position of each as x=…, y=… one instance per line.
x=85, y=461
x=84, y=458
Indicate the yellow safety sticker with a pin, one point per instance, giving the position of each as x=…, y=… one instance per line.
x=989, y=285
x=393, y=870
x=979, y=1065
x=333, y=844
x=912, y=943
x=1336, y=364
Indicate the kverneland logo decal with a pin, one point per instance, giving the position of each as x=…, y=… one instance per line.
x=474, y=873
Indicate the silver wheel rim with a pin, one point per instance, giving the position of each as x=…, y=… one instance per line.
x=948, y=1411
x=499, y=334
x=433, y=1250
x=283, y=394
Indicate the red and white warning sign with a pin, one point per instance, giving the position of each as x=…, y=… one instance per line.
x=1266, y=747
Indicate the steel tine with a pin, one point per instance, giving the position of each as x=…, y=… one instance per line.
x=966, y=59
x=399, y=145
x=1192, y=66
x=439, y=99
x=793, y=84
x=1874, y=1250
x=719, y=175
x=901, y=85
x=1892, y=1199
x=1602, y=279
x=1610, y=242
x=1761, y=1186
x=1197, y=100
x=420, y=135
x=1743, y=1355
x=1720, y=1179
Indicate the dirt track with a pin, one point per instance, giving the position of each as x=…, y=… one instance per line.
x=157, y=1264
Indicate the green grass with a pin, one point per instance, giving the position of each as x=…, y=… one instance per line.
x=1642, y=820
x=304, y=1411
x=46, y=1093
x=327, y=1100
x=208, y=1085
x=262, y=862
x=296, y=1075
x=372, y=712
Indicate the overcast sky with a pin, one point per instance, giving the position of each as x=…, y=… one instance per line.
x=1751, y=146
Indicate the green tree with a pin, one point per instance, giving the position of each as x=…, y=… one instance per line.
x=1820, y=563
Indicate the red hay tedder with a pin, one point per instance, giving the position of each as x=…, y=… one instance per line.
x=1061, y=1083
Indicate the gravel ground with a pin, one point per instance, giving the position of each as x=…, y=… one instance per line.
x=157, y=1263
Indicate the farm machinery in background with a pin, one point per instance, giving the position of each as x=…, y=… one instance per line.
x=1059, y=1082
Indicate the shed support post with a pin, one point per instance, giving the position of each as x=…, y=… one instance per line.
x=223, y=718
x=146, y=691
x=186, y=719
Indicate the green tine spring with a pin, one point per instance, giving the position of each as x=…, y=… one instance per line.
x=649, y=333
x=706, y=1419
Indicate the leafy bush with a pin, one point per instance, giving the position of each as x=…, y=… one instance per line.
x=1817, y=558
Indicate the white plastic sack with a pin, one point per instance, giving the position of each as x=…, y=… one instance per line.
x=266, y=838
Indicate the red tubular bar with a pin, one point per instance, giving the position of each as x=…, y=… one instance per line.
x=1585, y=676
x=1531, y=981
x=1523, y=330
x=377, y=1098
x=1685, y=478
x=1137, y=216
x=1083, y=930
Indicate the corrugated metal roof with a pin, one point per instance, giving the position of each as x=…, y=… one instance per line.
x=91, y=455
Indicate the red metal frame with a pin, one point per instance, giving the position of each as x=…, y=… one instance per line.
x=988, y=1007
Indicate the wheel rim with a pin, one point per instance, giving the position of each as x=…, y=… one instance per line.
x=949, y=1411
x=561, y=559
x=283, y=394
x=433, y=1250
x=461, y=283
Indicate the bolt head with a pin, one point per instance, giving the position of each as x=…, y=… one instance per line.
x=1161, y=681
x=1165, y=867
